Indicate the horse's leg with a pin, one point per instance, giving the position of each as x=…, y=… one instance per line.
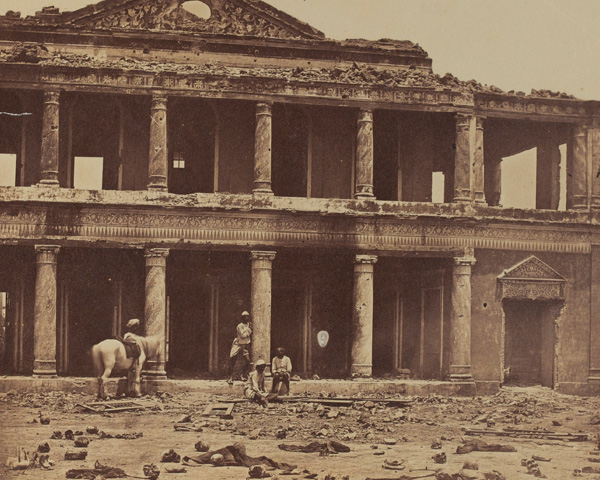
x=137, y=369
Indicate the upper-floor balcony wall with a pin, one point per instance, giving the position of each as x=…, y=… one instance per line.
x=186, y=145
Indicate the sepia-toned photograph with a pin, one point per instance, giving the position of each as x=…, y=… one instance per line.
x=299, y=239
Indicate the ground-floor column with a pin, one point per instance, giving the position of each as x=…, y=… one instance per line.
x=263, y=139
x=362, y=316
x=44, y=317
x=50, y=140
x=155, y=306
x=463, y=157
x=262, y=269
x=159, y=162
x=460, y=320
x=594, y=370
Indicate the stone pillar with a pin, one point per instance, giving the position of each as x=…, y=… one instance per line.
x=594, y=370
x=262, y=266
x=362, y=316
x=262, y=149
x=478, y=164
x=363, y=187
x=155, y=306
x=547, y=175
x=50, y=140
x=463, y=157
x=159, y=161
x=460, y=320
x=595, y=159
x=44, y=317
x=493, y=180
x=577, y=196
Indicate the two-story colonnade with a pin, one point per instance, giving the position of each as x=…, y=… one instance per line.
x=182, y=169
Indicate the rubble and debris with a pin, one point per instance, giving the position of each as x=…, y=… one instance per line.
x=532, y=467
x=112, y=406
x=328, y=447
x=170, y=456
x=123, y=436
x=175, y=469
x=439, y=457
x=82, y=442
x=79, y=455
x=91, y=429
x=187, y=428
x=258, y=471
x=99, y=471
x=470, y=466
x=202, y=446
x=24, y=460
x=152, y=471
x=393, y=465
x=481, y=446
x=509, y=432
x=236, y=455
x=223, y=410
x=43, y=447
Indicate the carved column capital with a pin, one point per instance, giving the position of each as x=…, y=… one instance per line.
x=365, y=115
x=365, y=260
x=260, y=255
x=156, y=256
x=159, y=101
x=51, y=97
x=264, y=108
x=47, y=253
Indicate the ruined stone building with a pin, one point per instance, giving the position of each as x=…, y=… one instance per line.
x=243, y=161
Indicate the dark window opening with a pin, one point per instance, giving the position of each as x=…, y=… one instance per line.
x=386, y=172
x=290, y=151
x=92, y=123
x=192, y=130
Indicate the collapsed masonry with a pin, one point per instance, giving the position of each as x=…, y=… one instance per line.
x=244, y=161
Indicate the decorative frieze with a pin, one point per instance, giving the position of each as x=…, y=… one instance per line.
x=524, y=105
x=155, y=225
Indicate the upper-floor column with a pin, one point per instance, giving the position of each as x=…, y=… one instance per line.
x=364, y=155
x=595, y=159
x=577, y=183
x=159, y=161
x=463, y=157
x=547, y=174
x=478, y=169
x=263, y=138
x=50, y=139
x=44, y=316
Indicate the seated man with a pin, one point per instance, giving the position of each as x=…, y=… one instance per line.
x=282, y=371
x=255, y=387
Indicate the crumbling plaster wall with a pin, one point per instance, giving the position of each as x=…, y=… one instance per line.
x=486, y=313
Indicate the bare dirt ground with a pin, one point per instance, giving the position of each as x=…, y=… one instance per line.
x=368, y=428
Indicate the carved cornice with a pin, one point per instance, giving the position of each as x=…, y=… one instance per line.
x=250, y=87
x=490, y=103
x=139, y=226
x=47, y=253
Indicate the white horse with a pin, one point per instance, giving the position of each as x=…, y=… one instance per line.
x=109, y=355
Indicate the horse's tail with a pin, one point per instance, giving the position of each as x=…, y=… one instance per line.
x=97, y=360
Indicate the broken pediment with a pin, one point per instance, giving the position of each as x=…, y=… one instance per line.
x=229, y=17
x=532, y=279
x=531, y=268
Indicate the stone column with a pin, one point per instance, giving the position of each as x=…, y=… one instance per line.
x=155, y=306
x=50, y=140
x=460, y=320
x=579, y=175
x=493, y=180
x=363, y=187
x=463, y=157
x=262, y=149
x=44, y=317
x=262, y=265
x=362, y=316
x=159, y=161
x=595, y=159
x=478, y=164
x=547, y=175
